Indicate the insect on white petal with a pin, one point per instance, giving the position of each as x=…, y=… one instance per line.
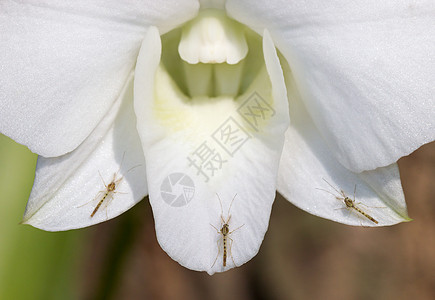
x=225, y=233
x=350, y=204
x=110, y=189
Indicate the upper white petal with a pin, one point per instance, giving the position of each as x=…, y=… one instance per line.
x=218, y=4
x=63, y=63
x=364, y=69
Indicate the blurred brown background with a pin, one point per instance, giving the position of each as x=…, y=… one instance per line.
x=302, y=256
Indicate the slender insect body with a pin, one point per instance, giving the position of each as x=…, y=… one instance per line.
x=351, y=204
x=225, y=233
x=108, y=193
x=225, y=230
x=224, y=255
x=98, y=205
x=110, y=189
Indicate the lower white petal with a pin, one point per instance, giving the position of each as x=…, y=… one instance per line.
x=311, y=177
x=198, y=150
x=67, y=189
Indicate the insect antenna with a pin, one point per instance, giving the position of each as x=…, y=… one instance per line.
x=231, y=204
x=101, y=177
x=220, y=202
x=132, y=168
x=331, y=185
x=329, y=192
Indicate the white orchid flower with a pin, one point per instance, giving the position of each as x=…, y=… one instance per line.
x=195, y=102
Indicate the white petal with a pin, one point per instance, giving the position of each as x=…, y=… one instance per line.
x=174, y=131
x=309, y=173
x=217, y=4
x=63, y=63
x=67, y=188
x=364, y=68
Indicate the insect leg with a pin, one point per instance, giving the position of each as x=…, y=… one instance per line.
x=97, y=196
x=236, y=229
x=231, y=254
x=217, y=230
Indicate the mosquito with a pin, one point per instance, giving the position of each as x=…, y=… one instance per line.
x=109, y=192
x=110, y=189
x=350, y=204
x=225, y=233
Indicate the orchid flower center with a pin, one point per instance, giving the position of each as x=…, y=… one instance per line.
x=208, y=63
